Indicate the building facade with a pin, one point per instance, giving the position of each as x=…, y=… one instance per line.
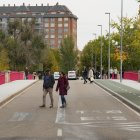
x=54, y=23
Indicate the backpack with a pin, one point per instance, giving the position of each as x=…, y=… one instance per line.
x=46, y=83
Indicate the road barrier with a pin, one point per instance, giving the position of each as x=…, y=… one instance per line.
x=9, y=76
x=2, y=78
x=131, y=75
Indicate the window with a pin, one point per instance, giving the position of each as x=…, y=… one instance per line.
x=52, y=42
x=52, y=19
x=46, y=25
x=52, y=36
x=66, y=19
x=65, y=30
x=47, y=31
x=59, y=36
x=46, y=36
x=60, y=30
x=52, y=30
x=65, y=24
x=59, y=24
x=59, y=19
x=46, y=20
x=52, y=25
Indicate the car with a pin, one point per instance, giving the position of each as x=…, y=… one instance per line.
x=72, y=75
x=56, y=75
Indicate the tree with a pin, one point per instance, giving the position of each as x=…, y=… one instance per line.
x=48, y=60
x=68, y=55
x=4, y=60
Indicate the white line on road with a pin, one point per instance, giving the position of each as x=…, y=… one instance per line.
x=59, y=132
x=60, y=116
x=138, y=114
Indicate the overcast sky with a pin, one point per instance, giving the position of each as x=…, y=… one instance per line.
x=90, y=13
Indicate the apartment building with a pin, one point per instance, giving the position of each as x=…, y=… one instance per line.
x=52, y=22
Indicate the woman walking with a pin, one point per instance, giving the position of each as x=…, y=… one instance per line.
x=62, y=87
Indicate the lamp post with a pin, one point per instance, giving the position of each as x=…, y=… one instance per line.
x=121, y=38
x=109, y=48
x=95, y=54
x=101, y=52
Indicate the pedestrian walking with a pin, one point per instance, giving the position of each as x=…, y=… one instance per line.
x=48, y=84
x=85, y=74
x=115, y=73
x=26, y=73
x=111, y=72
x=90, y=75
x=62, y=86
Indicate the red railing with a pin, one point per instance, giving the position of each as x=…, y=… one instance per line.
x=16, y=76
x=2, y=78
x=131, y=75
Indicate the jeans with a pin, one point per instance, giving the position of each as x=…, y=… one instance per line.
x=63, y=100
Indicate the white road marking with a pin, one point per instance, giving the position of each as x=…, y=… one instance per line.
x=138, y=114
x=80, y=111
x=119, y=118
x=60, y=116
x=113, y=111
x=87, y=118
x=59, y=132
x=19, y=116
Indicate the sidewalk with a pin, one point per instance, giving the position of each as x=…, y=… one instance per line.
x=130, y=83
x=128, y=91
x=9, y=90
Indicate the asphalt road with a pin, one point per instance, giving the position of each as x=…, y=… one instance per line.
x=91, y=114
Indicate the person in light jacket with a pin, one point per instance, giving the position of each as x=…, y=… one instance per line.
x=90, y=75
x=62, y=85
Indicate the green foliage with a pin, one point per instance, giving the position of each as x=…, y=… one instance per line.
x=68, y=55
x=4, y=61
x=48, y=59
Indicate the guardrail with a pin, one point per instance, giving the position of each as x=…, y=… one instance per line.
x=131, y=75
x=10, y=76
x=2, y=78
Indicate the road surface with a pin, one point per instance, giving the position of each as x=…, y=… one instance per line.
x=91, y=114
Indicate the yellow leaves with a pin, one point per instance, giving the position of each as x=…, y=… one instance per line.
x=118, y=57
x=4, y=61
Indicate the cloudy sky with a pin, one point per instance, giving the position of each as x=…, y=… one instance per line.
x=90, y=13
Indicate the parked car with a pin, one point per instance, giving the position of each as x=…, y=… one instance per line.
x=72, y=75
x=56, y=75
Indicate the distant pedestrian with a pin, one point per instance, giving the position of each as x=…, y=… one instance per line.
x=62, y=85
x=48, y=84
x=26, y=73
x=85, y=75
x=115, y=73
x=111, y=72
x=90, y=75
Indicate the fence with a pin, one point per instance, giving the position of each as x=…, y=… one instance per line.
x=131, y=75
x=2, y=78
x=12, y=76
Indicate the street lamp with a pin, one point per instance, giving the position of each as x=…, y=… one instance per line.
x=101, y=52
x=109, y=48
x=95, y=53
x=121, y=36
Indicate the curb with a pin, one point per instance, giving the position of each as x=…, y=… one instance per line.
x=17, y=93
x=121, y=98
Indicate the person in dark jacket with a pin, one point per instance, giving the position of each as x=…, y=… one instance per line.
x=26, y=73
x=62, y=87
x=85, y=75
x=48, y=84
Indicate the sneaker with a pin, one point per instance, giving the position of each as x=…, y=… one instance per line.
x=62, y=106
x=42, y=106
x=51, y=106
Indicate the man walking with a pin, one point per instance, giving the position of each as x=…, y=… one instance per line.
x=48, y=88
x=85, y=74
